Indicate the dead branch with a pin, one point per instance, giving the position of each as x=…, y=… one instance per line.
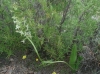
x=64, y=16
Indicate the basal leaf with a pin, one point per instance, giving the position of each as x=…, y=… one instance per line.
x=73, y=56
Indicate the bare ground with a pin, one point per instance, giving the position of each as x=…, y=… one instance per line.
x=16, y=65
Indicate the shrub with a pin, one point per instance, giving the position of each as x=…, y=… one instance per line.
x=55, y=29
x=10, y=41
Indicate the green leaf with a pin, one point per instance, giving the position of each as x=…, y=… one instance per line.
x=79, y=59
x=73, y=56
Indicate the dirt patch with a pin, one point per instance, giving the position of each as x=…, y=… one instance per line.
x=16, y=65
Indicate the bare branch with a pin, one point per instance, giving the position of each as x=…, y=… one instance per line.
x=64, y=16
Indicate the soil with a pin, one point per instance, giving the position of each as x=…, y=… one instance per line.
x=16, y=65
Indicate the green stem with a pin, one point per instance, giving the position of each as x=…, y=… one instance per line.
x=52, y=62
x=34, y=48
x=45, y=61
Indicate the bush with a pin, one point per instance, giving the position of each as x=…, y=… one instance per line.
x=55, y=28
x=10, y=41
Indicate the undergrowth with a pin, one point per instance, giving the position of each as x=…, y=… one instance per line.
x=56, y=29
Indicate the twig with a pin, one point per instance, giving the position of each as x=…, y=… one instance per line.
x=81, y=16
x=64, y=15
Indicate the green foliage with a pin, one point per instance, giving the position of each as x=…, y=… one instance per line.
x=54, y=27
x=42, y=23
x=10, y=41
x=73, y=57
x=5, y=26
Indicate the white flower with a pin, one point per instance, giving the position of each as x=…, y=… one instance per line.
x=17, y=31
x=15, y=7
x=21, y=32
x=64, y=31
x=95, y=17
x=11, y=11
x=14, y=17
x=23, y=41
x=15, y=22
x=17, y=27
x=28, y=34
